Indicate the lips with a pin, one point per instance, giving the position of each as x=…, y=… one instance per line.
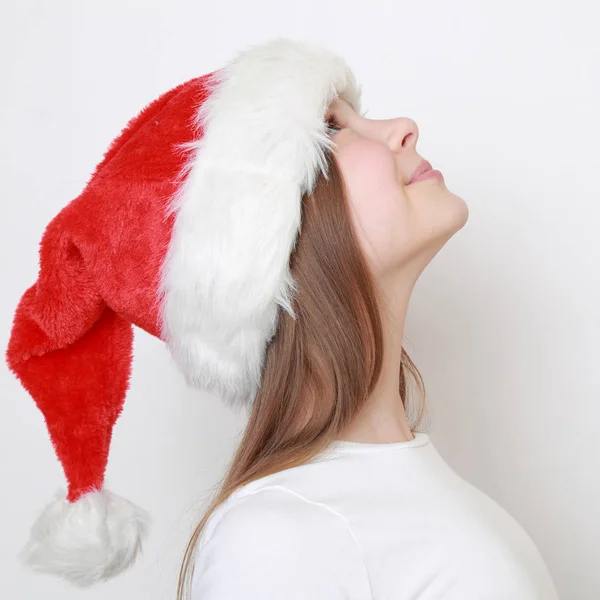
x=423, y=167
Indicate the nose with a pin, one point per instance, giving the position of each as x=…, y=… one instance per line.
x=401, y=133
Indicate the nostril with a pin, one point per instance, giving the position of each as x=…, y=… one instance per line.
x=408, y=139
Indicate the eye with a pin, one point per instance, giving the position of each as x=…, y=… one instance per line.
x=333, y=126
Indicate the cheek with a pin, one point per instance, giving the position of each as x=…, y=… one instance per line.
x=370, y=170
x=378, y=201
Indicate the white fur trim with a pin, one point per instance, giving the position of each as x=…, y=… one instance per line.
x=92, y=539
x=238, y=211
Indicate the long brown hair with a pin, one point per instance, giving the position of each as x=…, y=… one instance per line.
x=320, y=368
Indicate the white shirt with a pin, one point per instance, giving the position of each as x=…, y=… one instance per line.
x=366, y=521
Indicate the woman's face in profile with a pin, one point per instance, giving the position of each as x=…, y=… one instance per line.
x=399, y=224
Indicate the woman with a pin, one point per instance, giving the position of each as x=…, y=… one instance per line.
x=276, y=260
x=332, y=493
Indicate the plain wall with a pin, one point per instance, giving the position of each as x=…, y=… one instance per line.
x=503, y=324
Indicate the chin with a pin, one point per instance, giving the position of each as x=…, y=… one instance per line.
x=450, y=209
x=461, y=209
x=458, y=213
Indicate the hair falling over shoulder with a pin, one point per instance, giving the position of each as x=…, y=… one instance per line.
x=321, y=367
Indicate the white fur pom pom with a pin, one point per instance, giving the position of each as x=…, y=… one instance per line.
x=92, y=539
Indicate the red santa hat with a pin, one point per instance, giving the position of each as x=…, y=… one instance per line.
x=185, y=229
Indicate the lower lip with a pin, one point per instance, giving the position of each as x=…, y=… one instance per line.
x=433, y=174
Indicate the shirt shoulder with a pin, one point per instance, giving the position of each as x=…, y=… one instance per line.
x=272, y=543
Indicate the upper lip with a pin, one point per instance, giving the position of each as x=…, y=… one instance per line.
x=422, y=168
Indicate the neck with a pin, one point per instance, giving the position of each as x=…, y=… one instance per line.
x=383, y=418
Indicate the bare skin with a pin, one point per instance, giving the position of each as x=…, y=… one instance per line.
x=401, y=227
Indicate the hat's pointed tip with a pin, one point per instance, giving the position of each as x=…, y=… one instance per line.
x=87, y=541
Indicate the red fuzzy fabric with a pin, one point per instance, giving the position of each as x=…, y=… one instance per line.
x=100, y=260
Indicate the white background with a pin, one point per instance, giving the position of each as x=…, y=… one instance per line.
x=504, y=324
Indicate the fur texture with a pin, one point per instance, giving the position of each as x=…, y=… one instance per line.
x=72, y=335
x=86, y=541
x=100, y=256
x=238, y=211
x=184, y=229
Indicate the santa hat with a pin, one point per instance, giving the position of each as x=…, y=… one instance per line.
x=184, y=229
